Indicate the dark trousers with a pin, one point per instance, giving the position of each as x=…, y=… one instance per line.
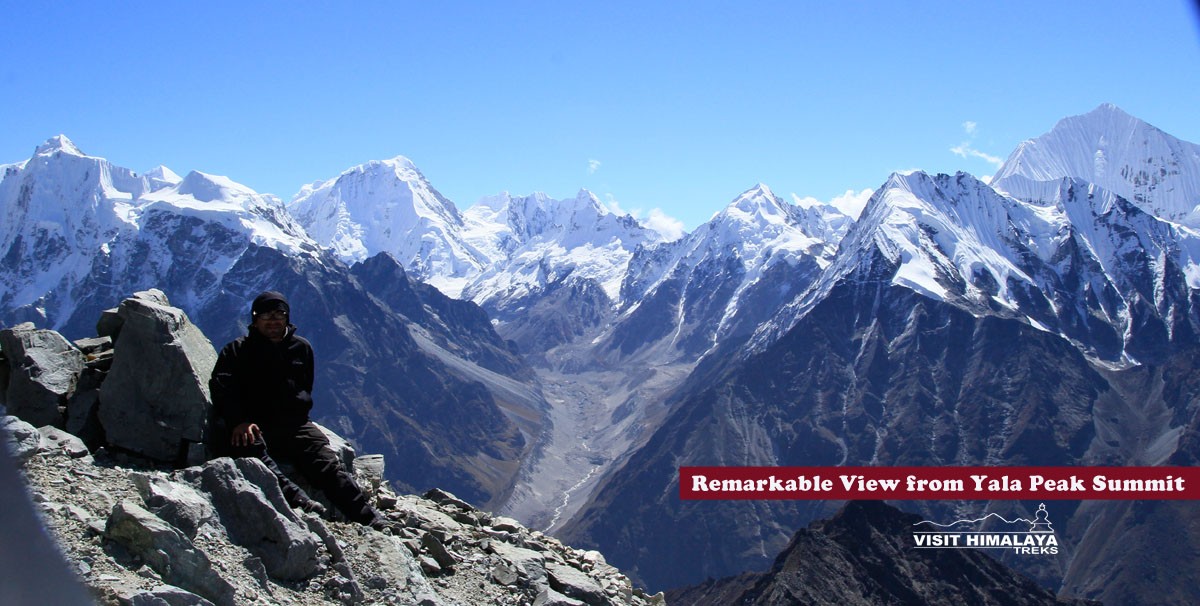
x=307, y=449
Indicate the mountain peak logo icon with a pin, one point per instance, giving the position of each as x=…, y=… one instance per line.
x=1023, y=536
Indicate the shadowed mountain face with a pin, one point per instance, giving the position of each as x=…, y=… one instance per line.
x=878, y=375
x=863, y=556
x=1052, y=323
x=909, y=382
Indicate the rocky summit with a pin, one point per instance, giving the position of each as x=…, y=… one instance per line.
x=135, y=513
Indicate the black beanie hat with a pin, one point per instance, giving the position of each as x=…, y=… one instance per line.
x=267, y=302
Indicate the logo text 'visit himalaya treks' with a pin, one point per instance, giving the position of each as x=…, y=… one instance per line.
x=1022, y=536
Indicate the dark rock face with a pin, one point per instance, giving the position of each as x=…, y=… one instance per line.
x=43, y=370
x=863, y=556
x=557, y=314
x=155, y=399
x=460, y=327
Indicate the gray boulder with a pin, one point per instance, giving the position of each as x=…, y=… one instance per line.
x=167, y=551
x=176, y=502
x=252, y=508
x=109, y=324
x=155, y=400
x=21, y=439
x=58, y=441
x=573, y=583
x=166, y=595
x=43, y=370
x=340, y=447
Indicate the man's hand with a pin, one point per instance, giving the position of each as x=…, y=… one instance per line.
x=245, y=434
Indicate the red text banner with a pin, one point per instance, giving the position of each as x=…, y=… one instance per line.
x=939, y=483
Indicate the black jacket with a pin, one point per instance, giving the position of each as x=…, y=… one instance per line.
x=257, y=381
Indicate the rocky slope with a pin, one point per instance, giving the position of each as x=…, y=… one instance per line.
x=220, y=533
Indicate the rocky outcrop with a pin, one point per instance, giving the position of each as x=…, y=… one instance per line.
x=43, y=368
x=155, y=400
x=220, y=534
x=21, y=440
x=167, y=551
x=147, y=395
x=253, y=511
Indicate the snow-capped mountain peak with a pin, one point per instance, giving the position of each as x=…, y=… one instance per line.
x=535, y=240
x=389, y=206
x=55, y=144
x=758, y=203
x=219, y=200
x=1120, y=153
x=208, y=188
x=161, y=176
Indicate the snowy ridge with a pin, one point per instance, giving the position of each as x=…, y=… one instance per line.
x=1118, y=152
x=262, y=219
x=389, y=206
x=940, y=232
x=161, y=176
x=535, y=240
x=60, y=208
x=73, y=221
x=708, y=274
x=1072, y=254
x=757, y=228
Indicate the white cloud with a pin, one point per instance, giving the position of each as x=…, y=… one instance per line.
x=615, y=206
x=670, y=227
x=850, y=203
x=965, y=150
x=593, y=166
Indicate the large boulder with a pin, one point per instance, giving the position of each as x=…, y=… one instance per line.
x=155, y=400
x=251, y=506
x=19, y=439
x=177, y=503
x=43, y=370
x=168, y=551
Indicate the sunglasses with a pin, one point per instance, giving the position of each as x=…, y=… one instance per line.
x=273, y=315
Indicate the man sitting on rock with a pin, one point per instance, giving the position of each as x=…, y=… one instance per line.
x=262, y=393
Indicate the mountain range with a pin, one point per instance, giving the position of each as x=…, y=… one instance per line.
x=557, y=361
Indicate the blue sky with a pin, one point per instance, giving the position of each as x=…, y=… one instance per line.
x=678, y=106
